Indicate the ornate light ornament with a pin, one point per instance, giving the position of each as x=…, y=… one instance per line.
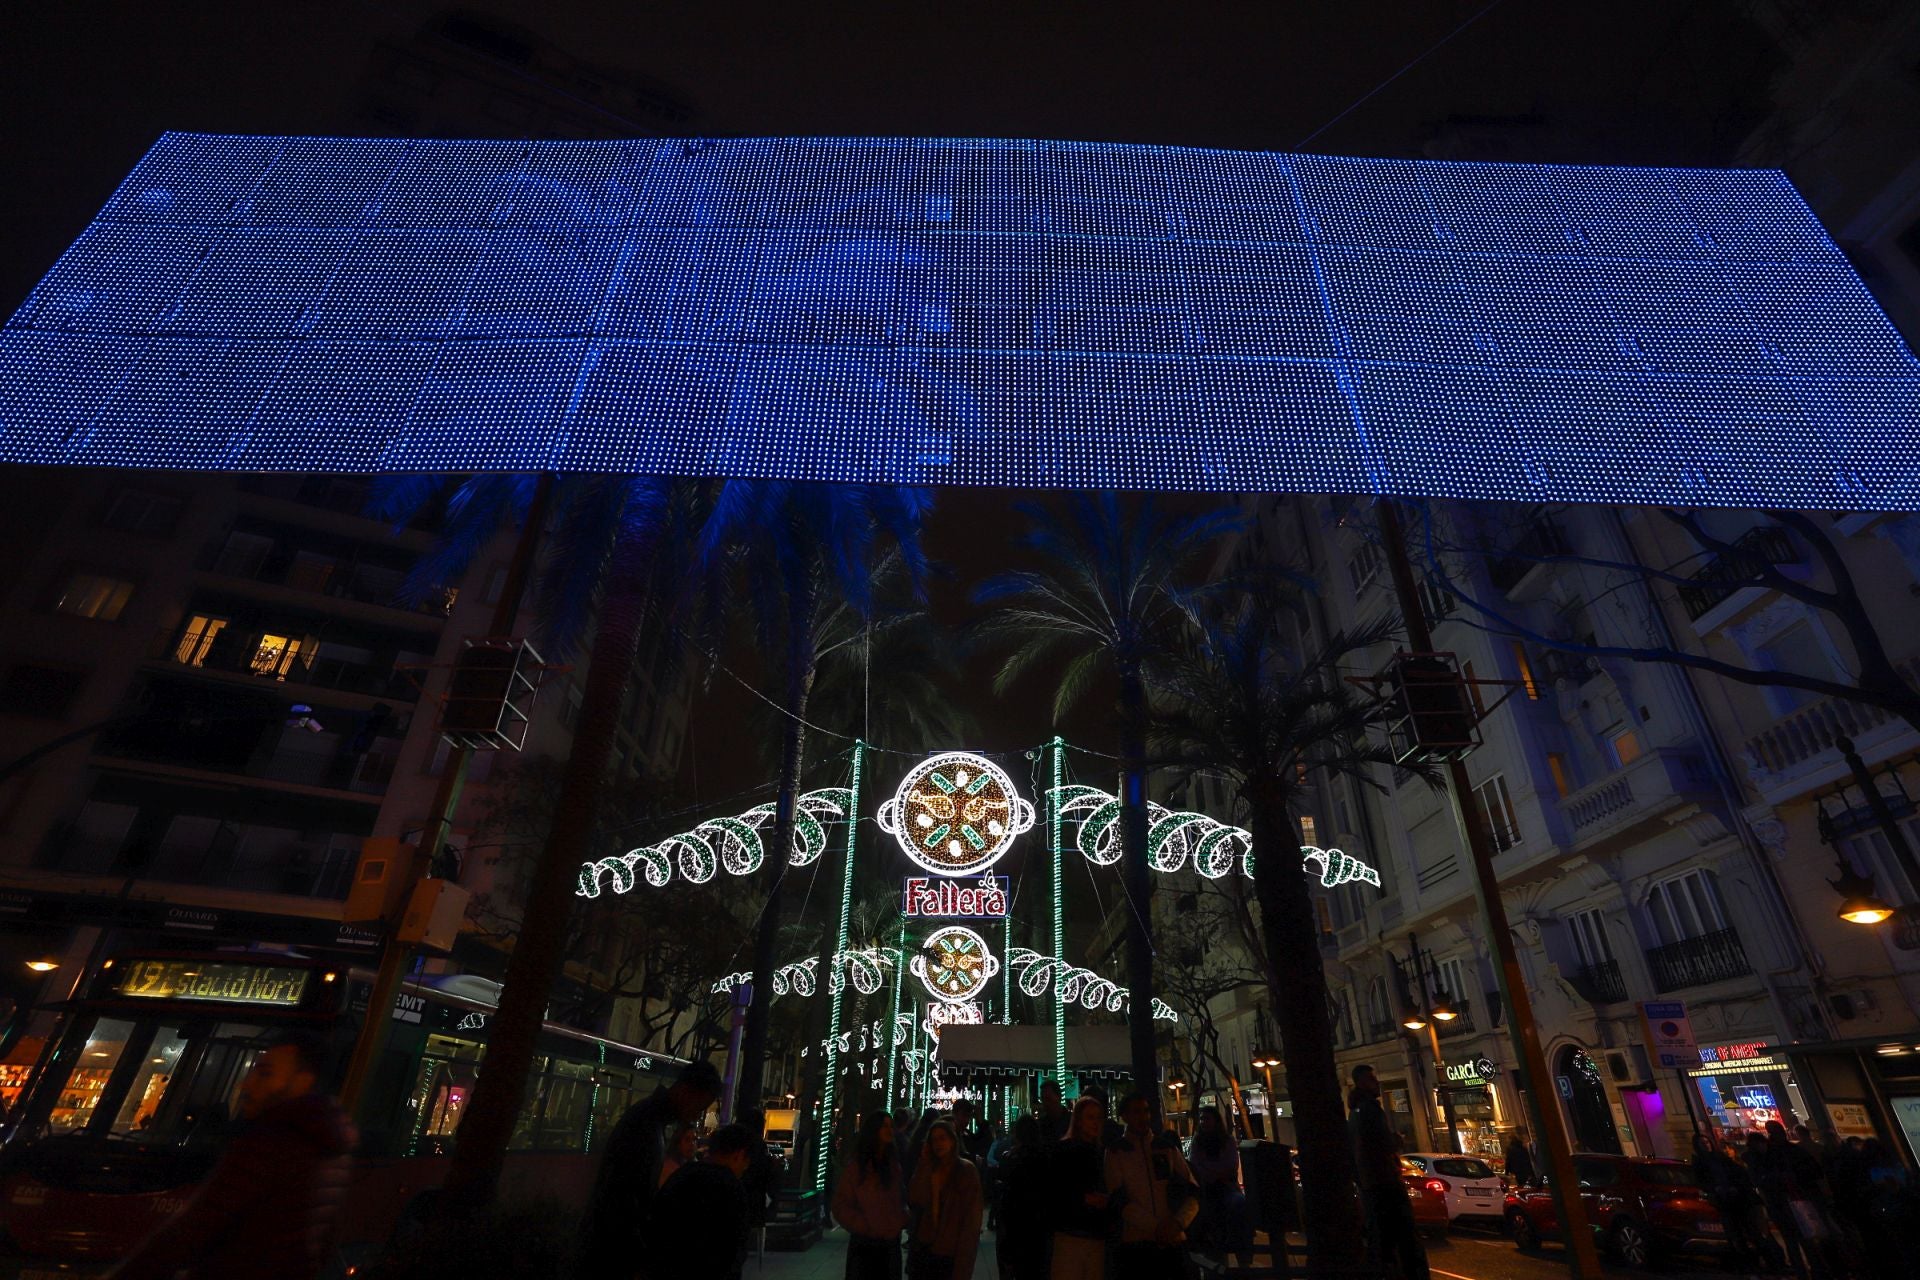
x=955, y=964
x=956, y=813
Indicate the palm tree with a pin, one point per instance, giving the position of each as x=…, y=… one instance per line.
x=1105, y=600
x=1246, y=696
x=803, y=556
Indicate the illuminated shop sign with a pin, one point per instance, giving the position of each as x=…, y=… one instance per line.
x=982, y=899
x=1737, y=1059
x=1480, y=1071
x=1744, y=1052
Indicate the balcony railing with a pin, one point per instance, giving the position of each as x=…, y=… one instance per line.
x=1812, y=729
x=1752, y=552
x=1538, y=541
x=324, y=672
x=1694, y=962
x=1457, y=1026
x=1601, y=983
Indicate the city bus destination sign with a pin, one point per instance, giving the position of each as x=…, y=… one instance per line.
x=212, y=980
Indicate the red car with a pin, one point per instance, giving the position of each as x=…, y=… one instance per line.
x=1428, y=1196
x=1640, y=1210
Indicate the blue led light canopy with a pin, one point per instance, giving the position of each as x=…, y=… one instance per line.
x=968, y=312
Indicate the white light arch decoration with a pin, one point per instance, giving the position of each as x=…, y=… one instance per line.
x=732, y=844
x=1040, y=974
x=866, y=968
x=955, y=813
x=1175, y=837
x=955, y=964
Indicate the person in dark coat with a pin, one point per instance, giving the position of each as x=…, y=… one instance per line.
x=763, y=1170
x=1376, y=1149
x=1053, y=1115
x=629, y=1175
x=697, y=1223
x=1078, y=1170
x=268, y=1208
x=1024, y=1186
x=1520, y=1160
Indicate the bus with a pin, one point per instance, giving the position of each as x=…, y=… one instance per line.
x=127, y=1116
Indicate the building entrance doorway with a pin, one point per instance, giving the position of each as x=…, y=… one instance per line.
x=1577, y=1077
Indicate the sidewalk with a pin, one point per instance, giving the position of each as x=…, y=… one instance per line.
x=827, y=1260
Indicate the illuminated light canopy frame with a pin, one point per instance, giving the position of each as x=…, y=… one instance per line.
x=730, y=843
x=967, y=311
x=1174, y=837
x=1040, y=975
x=867, y=969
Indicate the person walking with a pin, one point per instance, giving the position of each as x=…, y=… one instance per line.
x=870, y=1202
x=946, y=1204
x=1054, y=1118
x=267, y=1209
x=1732, y=1194
x=1078, y=1169
x=1022, y=1238
x=629, y=1174
x=1519, y=1157
x=697, y=1222
x=1215, y=1161
x=1390, y=1231
x=1156, y=1193
x=1778, y=1170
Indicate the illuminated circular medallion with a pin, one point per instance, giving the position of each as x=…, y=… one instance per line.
x=955, y=814
x=955, y=964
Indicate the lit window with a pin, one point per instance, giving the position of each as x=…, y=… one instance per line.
x=92, y=595
x=1623, y=745
x=197, y=639
x=1526, y=671
x=1562, y=778
x=274, y=655
x=1309, y=832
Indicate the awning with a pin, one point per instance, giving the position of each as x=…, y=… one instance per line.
x=1004, y=1047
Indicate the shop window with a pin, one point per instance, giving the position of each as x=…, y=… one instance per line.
x=1687, y=906
x=1496, y=809
x=94, y=595
x=196, y=638
x=44, y=692
x=87, y=1081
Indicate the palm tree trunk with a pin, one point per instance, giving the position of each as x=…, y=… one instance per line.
x=1329, y=1206
x=1136, y=880
x=540, y=947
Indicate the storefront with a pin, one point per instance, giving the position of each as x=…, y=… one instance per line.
x=1744, y=1085
x=1479, y=1114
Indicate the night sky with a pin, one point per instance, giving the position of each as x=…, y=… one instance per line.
x=89, y=87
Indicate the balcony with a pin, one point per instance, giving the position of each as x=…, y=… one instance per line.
x=1797, y=738
x=1458, y=1026
x=357, y=573
x=241, y=657
x=1752, y=552
x=1527, y=560
x=1655, y=782
x=1600, y=983
x=1694, y=962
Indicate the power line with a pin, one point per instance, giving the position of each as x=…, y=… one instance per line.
x=1430, y=49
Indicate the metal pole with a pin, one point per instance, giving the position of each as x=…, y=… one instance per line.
x=1433, y=1036
x=395, y=956
x=1059, y=748
x=836, y=978
x=1534, y=1077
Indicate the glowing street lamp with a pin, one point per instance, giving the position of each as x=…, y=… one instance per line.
x=43, y=965
x=1414, y=1021
x=1443, y=1010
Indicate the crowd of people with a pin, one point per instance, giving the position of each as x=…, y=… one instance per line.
x=1818, y=1206
x=1072, y=1195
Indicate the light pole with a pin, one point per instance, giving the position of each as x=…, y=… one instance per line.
x=1264, y=1061
x=1434, y=1010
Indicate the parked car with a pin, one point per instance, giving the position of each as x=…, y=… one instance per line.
x=1472, y=1188
x=1428, y=1196
x=1641, y=1210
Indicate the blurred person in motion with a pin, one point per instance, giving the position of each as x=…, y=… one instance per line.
x=1156, y=1193
x=763, y=1169
x=1022, y=1238
x=1078, y=1171
x=697, y=1222
x=268, y=1208
x=870, y=1202
x=629, y=1175
x=1215, y=1161
x=1391, y=1236
x=945, y=1203
x=1519, y=1159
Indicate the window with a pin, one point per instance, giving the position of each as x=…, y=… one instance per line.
x=1435, y=601
x=1623, y=746
x=1364, y=567
x=275, y=655
x=1562, y=775
x=1800, y=648
x=1379, y=1013
x=1687, y=906
x=243, y=555
x=1453, y=982
x=93, y=595
x=1525, y=669
x=1309, y=832
x=1324, y=913
x=197, y=638
x=1870, y=853
x=1496, y=807
x=1590, y=937
x=137, y=511
x=46, y=692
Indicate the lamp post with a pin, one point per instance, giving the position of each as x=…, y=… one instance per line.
x=1434, y=1009
x=1859, y=904
x=1264, y=1061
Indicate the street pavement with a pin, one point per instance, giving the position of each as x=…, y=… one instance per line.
x=1466, y=1254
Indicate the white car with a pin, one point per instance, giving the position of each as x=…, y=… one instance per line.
x=1472, y=1188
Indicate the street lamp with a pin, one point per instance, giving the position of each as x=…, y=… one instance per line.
x=1859, y=904
x=1414, y=1021
x=43, y=965
x=1443, y=1010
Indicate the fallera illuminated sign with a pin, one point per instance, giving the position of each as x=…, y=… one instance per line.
x=983, y=899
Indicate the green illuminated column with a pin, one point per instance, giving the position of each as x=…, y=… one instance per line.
x=894, y=1051
x=1059, y=910
x=837, y=990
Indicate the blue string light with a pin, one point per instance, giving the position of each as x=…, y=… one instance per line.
x=970, y=312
